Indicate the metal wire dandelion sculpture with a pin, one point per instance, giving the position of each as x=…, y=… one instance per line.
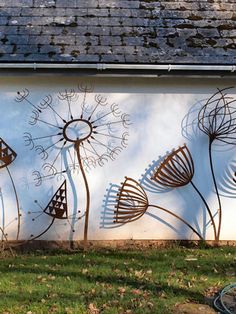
x=7, y=156
x=86, y=135
x=57, y=209
x=132, y=203
x=177, y=170
x=217, y=119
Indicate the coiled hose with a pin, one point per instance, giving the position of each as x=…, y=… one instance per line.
x=219, y=303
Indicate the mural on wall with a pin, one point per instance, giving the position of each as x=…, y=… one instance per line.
x=217, y=119
x=81, y=137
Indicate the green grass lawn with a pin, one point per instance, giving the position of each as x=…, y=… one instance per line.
x=112, y=281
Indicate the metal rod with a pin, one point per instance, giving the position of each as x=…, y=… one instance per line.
x=207, y=207
x=3, y=213
x=179, y=218
x=17, y=204
x=9, y=246
x=216, y=189
x=39, y=235
x=86, y=223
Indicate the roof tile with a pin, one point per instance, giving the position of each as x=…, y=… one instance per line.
x=118, y=31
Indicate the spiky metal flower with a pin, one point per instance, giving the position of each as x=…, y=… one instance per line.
x=176, y=170
x=217, y=118
x=131, y=202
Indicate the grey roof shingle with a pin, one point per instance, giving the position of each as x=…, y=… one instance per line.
x=118, y=31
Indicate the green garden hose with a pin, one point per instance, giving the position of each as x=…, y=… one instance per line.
x=219, y=302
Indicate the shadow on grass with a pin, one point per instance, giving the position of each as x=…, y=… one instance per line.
x=107, y=270
x=78, y=296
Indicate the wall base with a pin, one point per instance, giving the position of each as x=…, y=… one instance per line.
x=114, y=244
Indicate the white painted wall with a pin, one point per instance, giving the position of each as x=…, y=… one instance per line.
x=158, y=110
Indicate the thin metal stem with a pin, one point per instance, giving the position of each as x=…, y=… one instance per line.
x=207, y=207
x=29, y=102
x=216, y=190
x=43, y=137
x=50, y=124
x=17, y=204
x=86, y=223
x=3, y=214
x=105, y=124
x=56, y=113
x=179, y=218
x=4, y=235
x=39, y=235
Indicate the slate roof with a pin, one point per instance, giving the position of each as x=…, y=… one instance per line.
x=118, y=31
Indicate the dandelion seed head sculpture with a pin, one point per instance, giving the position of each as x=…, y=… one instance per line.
x=217, y=118
x=98, y=130
x=176, y=170
x=131, y=202
x=77, y=130
x=86, y=134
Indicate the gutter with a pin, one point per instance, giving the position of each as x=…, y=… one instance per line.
x=183, y=69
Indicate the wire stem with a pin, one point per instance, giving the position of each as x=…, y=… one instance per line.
x=216, y=190
x=4, y=235
x=207, y=207
x=86, y=223
x=17, y=204
x=3, y=214
x=179, y=218
x=39, y=235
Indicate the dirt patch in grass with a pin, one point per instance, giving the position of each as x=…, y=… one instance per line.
x=192, y=308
